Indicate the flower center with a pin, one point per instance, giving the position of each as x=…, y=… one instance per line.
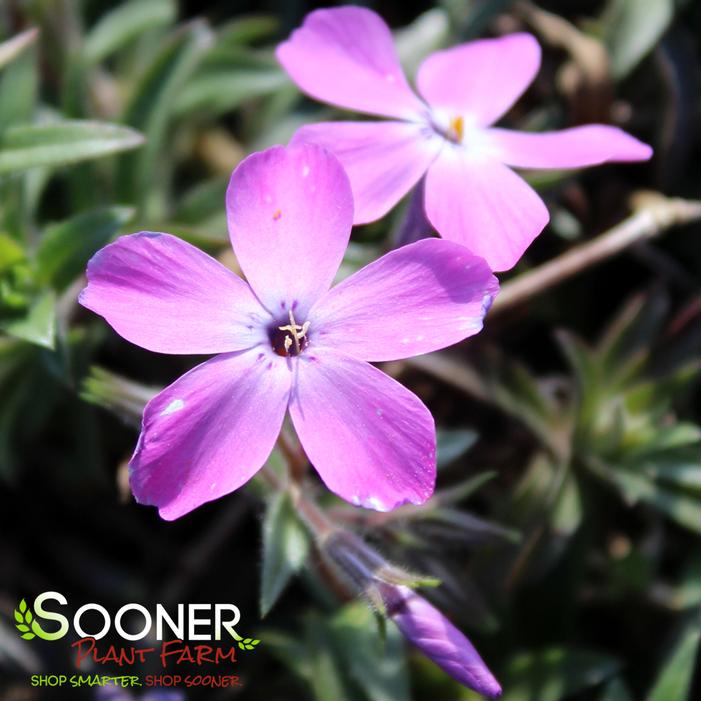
x=290, y=339
x=456, y=129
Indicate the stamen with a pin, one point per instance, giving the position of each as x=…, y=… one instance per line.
x=456, y=129
x=296, y=332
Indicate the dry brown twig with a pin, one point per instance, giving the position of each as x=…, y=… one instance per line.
x=653, y=215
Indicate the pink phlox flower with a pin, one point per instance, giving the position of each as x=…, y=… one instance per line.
x=345, y=56
x=286, y=340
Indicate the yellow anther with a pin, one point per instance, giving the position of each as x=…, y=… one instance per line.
x=457, y=129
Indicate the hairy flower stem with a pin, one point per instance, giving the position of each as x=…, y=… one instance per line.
x=655, y=214
x=296, y=460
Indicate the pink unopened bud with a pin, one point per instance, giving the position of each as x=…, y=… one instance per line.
x=426, y=627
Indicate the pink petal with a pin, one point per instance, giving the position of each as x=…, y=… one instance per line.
x=167, y=296
x=437, y=638
x=290, y=212
x=370, y=439
x=570, y=148
x=484, y=205
x=383, y=160
x=210, y=431
x=416, y=299
x=346, y=56
x=482, y=79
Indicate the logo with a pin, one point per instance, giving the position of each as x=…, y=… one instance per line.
x=201, y=622
x=213, y=626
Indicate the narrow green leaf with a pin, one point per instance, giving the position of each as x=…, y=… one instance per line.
x=23, y=606
x=630, y=33
x=151, y=109
x=10, y=252
x=326, y=679
x=28, y=636
x=11, y=48
x=674, y=680
x=452, y=443
x=18, y=617
x=679, y=506
x=555, y=673
x=376, y=664
x=29, y=616
x=22, y=628
x=464, y=489
x=118, y=394
x=285, y=548
x=247, y=29
x=124, y=23
x=66, y=247
x=62, y=143
x=426, y=34
x=19, y=87
x=38, y=326
x=234, y=78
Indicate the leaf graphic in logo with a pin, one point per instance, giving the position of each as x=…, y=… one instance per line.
x=24, y=617
x=248, y=643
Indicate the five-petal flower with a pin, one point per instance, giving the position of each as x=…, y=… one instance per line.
x=286, y=341
x=345, y=56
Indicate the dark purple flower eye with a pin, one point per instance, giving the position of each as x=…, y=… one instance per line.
x=289, y=339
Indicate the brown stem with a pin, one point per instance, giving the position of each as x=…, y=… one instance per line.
x=655, y=215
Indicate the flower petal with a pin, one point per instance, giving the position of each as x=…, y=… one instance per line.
x=436, y=637
x=370, y=439
x=481, y=79
x=167, y=296
x=484, y=205
x=210, y=431
x=570, y=148
x=346, y=56
x=383, y=160
x=416, y=299
x=290, y=212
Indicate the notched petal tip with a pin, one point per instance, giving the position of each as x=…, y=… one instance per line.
x=346, y=56
x=290, y=214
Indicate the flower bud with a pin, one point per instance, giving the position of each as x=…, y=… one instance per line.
x=426, y=627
